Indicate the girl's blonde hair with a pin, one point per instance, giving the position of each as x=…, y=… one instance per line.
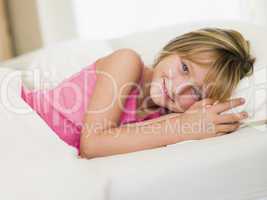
x=227, y=52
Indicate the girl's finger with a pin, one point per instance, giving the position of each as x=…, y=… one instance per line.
x=221, y=107
x=230, y=118
x=202, y=104
x=227, y=128
x=206, y=101
x=220, y=134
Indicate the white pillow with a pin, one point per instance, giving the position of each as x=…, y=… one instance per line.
x=254, y=90
x=54, y=63
x=9, y=93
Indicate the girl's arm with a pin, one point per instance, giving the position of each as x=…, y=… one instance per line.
x=130, y=137
x=101, y=134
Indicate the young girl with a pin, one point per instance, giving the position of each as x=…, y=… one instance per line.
x=118, y=105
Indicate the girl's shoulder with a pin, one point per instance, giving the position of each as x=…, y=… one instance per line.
x=125, y=63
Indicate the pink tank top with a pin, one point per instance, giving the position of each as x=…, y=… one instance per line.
x=63, y=107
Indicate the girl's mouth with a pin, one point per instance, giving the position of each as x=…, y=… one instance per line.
x=166, y=91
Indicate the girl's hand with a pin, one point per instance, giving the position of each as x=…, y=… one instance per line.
x=204, y=120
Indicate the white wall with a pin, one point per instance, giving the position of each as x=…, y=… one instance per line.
x=56, y=19
x=256, y=11
x=107, y=19
x=100, y=19
x=37, y=23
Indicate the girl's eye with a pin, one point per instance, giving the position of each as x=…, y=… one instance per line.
x=185, y=67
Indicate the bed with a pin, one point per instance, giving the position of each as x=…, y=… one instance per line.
x=36, y=164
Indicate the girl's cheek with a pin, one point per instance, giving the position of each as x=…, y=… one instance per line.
x=172, y=72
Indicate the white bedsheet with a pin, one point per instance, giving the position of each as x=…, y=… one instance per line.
x=229, y=167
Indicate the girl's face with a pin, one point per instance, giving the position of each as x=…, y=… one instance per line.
x=177, y=83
